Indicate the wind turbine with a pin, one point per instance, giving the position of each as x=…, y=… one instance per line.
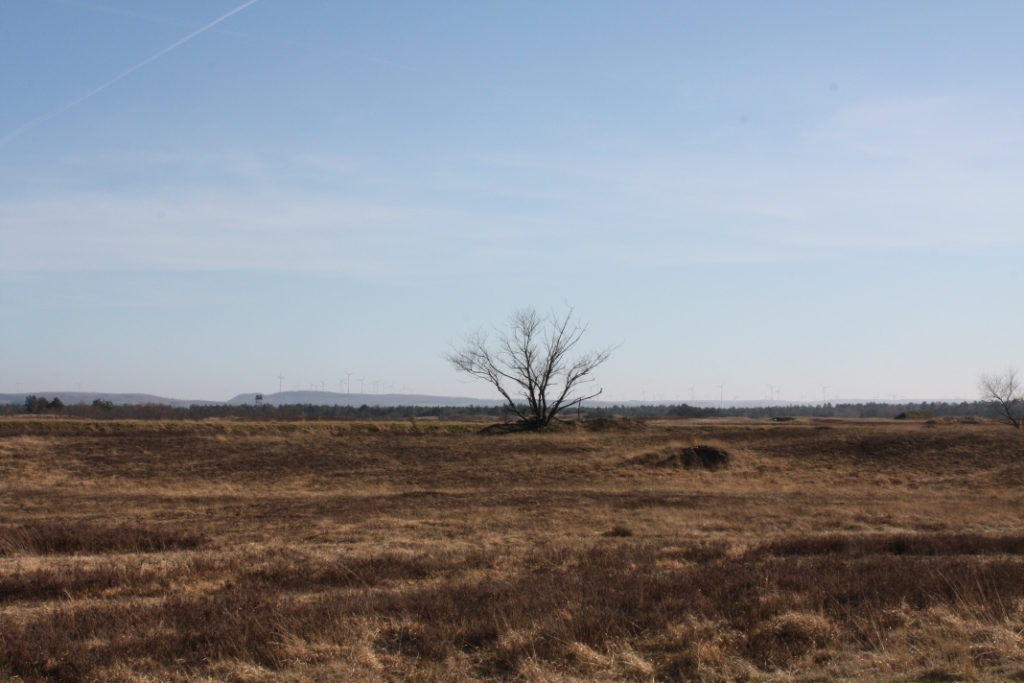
x=721, y=396
x=824, y=387
x=361, y=380
x=348, y=380
x=280, y=382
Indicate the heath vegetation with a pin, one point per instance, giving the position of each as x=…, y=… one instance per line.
x=711, y=550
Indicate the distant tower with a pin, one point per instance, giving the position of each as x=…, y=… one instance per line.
x=259, y=400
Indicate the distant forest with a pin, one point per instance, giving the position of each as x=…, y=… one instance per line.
x=100, y=409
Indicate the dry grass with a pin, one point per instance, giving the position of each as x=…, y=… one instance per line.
x=232, y=551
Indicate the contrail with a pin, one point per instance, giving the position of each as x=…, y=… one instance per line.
x=64, y=107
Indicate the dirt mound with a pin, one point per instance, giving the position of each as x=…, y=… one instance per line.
x=688, y=457
x=614, y=424
x=555, y=426
x=916, y=415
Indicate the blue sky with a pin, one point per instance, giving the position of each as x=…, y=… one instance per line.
x=794, y=194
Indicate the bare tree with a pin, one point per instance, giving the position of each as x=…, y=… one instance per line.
x=529, y=364
x=1006, y=392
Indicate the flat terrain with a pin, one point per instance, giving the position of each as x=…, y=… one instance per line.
x=336, y=551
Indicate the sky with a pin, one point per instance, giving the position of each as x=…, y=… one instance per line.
x=801, y=199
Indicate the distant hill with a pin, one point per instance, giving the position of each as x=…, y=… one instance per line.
x=333, y=398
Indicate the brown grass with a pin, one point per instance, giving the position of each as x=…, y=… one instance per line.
x=63, y=536
x=826, y=550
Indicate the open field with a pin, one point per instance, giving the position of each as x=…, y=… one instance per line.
x=272, y=551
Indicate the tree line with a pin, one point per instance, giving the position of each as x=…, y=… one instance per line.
x=101, y=409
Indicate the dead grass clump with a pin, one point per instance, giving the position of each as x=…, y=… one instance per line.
x=783, y=638
x=614, y=424
x=64, y=537
x=79, y=643
x=907, y=446
x=298, y=571
x=934, y=544
x=63, y=581
x=699, y=551
x=688, y=457
x=968, y=420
